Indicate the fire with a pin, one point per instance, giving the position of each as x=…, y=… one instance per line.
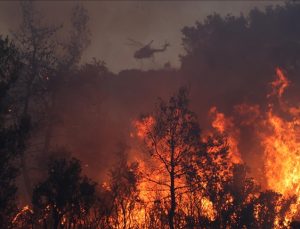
x=278, y=129
x=144, y=126
x=280, y=137
x=282, y=147
x=207, y=187
x=153, y=188
x=149, y=167
x=26, y=209
x=225, y=126
x=208, y=208
x=279, y=85
x=282, y=155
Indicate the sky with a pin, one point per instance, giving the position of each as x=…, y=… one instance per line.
x=112, y=23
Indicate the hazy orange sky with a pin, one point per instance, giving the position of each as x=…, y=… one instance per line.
x=112, y=23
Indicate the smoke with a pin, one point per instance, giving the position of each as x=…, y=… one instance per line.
x=230, y=63
x=234, y=66
x=112, y=23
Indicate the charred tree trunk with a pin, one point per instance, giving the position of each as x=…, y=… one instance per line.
x=56, y=219
x=50, y=124
x=124, y=215
x=55, y=224
x=172, y=190
x=24, y=167
x=25, y=113
x=45, y=223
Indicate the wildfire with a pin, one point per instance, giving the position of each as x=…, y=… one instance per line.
x=278, y=129
x=153, y=174
x=279, y=134
x=282, y=155
x=282, y=147
x=154, y=187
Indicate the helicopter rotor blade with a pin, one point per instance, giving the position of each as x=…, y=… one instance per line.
x=134, y=42
x=150, y=43
x=132, y=45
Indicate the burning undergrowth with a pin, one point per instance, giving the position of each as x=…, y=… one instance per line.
x=174, y=175
x=240, y=171
x=275, y=129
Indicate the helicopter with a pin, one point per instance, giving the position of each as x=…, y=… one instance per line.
x=146, y=51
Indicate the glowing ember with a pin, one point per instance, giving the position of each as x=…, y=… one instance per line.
x=24, y=210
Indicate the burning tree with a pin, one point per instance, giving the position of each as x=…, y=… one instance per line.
x=124, y=194
x=171, y=136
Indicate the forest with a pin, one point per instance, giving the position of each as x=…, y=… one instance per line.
x=214, y=143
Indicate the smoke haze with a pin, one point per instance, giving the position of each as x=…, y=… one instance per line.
x=232, y=68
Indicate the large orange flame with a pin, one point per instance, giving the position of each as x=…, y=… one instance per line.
x=278, y=128
x=224, y=126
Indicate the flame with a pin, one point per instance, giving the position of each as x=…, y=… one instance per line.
x=208, y=209
x=278, y=129
x=279, y=85
x=144, y=126
x=280, y=137
x=282, y=155
x=225, y=126
x=23, y=211
x=282, y=146
x=153, y=172
x=152, y=189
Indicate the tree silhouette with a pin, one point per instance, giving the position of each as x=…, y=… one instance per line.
x=272, y=208
x=65, y=197
x=269, y=35
x=37, y=52
x=11, y=132
x=234, y=49
x=47, y=63
x=206, y=177
x=79, y=37
x=242, y=189
x=171, y=140
x=124, y=193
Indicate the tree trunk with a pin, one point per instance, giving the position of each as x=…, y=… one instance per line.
x=124, y=215
x=55, y=224
x=45, y=223
x=172, y=190
x=56, y=219
x=25, y=170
